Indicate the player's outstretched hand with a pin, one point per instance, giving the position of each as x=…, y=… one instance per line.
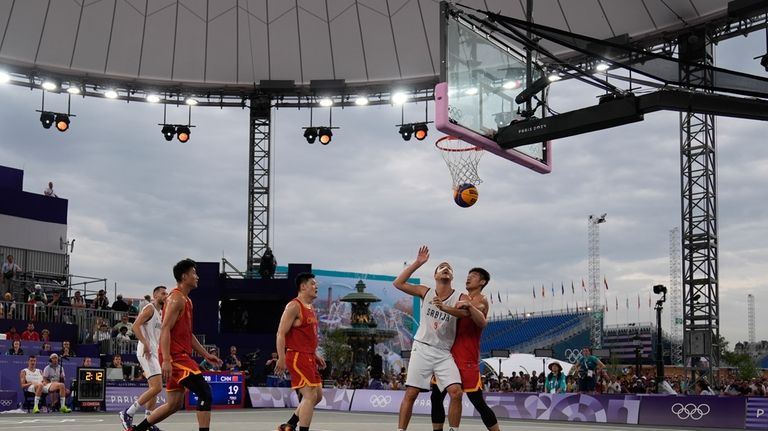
x=423, y=255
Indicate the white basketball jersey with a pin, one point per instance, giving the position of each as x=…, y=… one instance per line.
x=437, y=328
x=33, y=376
x=151, y=331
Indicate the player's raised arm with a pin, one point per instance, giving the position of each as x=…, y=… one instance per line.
x=401, y=282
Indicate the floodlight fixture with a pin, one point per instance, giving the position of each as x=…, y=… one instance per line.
x=471, y=91
x=325, y=134
x=73, y=89
x=554, y=77
x=169, y=131
x=310, y=134
x=110, y=94
x=153, y=98
x=326, y=102
x=406, y=131
x=190, y=101
x=399, y=98
x=49, y=85
x=660, y=289
x=182, y=133
x=361, y=100
x=62, y=122
x=4, y=77
x=46, y=119
x=602, y=66
x=420, y=131
x=512, y=84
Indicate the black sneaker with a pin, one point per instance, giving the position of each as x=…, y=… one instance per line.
x=125, y=419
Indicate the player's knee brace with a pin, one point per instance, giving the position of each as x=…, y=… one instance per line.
x=486, y=414
x=197, y=384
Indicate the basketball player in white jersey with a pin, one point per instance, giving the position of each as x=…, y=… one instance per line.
x=147, y=331
x=31, y=379
x=431, y=351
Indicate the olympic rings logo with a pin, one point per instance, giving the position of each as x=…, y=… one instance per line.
x=690, y=411
x=6, y=403
x=380, y=401
x=573, y=355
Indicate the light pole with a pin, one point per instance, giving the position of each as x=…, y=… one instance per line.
x=659, y=290
x=636, y=342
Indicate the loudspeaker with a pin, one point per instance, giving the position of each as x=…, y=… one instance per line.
x=692, y=47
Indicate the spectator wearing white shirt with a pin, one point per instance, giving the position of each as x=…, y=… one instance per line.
x=49, y=191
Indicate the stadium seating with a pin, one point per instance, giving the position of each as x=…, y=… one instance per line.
x=506, y=334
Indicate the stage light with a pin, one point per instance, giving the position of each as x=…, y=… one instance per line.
x=310, y=134
x=511, y=85
x=326, y=102
x=361, y=101
x=73, y=89
x=190, y=101
x=420, y=131
x=406, y=131
x=554, y=77
x=49, y=85
x=153, y=98
x=182, y=133
x=46, y=118
x=168, y=132
x=62, y=122
x=399, y=98
x=4, y=77
x=602, y=67
x=110, y=94
x=325, y=134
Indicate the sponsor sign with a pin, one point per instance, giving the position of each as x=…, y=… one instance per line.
x=622, y=409
x=367, y=400
x=693, y=411
x=757, y=413
x=8, y=400
x=121, y=397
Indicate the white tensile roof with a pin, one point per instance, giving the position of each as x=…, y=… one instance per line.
x=237, y=43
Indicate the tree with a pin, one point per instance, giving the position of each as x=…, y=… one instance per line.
x=743, y=362
x=336, y=349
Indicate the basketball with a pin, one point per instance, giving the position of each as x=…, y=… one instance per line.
x=465, y=195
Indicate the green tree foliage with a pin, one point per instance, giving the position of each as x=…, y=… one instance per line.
x=337, y=350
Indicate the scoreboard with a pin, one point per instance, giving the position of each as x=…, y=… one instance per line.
x=226, y=388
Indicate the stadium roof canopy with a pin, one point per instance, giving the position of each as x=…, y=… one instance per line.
x=236, y=46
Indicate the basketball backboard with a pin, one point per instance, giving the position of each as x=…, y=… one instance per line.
x=480, y=78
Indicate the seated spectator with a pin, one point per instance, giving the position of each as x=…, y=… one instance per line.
x=32, y=380
x=117, y=362
x=123, y=323
x=15, y=349
x=232, y=363
x=12, y=334
x=46, y=350
x=30, y=334
x=45, y=335
x=78, y=301
x=9, y=306
x=205, y=365
x=87, y=362
x=49, y=191
x=66, y=350
x=101, y=302
x=269, y=367
x=119, y=304
x=122, y=339
x=54, y=373
x=102, y=333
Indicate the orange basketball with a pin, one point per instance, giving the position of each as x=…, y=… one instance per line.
x=465, y=195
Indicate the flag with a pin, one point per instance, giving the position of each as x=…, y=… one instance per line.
x=617, y=302
x=638, y=301
x=566, y=309
x=498, y=296
x=534, y=292
x=573, y=290
x=605, y=282
x=627, y=303
x=553, y=289
x=649, y=300
x=562, y=288
x=491, y=298
x=583, y=286
x=542, y=291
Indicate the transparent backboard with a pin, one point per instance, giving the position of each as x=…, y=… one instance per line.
x=481, y=79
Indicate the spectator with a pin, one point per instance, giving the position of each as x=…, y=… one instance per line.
x=10, y=271
x=101, y=302
x=38, y=295
x=555, y=383
x=269, y=367
x=123, y=323
x=117, y=362
x=102, y=333
x=9, y=306
x=77, y=300
x=267, y=264
x=122, y=338
x=30, y=334
x=46, y=350
x=45, y=335
x=32, y=380
x=232, y=363
x=49, y=191
x=15, y=349
x=702, y=388
x=87, y=362
x=66, y=350
x=119, y=304
x=56, y=299
x=133, y=308
x=12, y=334
x=205, y=365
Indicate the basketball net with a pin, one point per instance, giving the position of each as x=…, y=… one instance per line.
x=462, y=160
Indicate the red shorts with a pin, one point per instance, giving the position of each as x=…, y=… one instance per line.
x=303, y=369
x=183, y=367
x=470, y=375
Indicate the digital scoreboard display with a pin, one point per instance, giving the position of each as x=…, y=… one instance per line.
x=91, y=384
x=226, y=389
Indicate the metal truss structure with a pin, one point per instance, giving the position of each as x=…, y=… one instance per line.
x=751, y=318
x=675, y=298
x=595, y=302
x=258, y=182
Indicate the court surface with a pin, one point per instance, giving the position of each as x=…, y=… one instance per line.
x=268, y=419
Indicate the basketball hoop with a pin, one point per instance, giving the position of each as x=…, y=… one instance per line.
x=462, y=159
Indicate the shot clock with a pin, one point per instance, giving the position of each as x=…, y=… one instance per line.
x=91, y=386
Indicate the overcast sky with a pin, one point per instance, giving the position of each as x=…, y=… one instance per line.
x=137, y=204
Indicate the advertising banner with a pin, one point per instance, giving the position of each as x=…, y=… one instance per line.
x=121, y=397
x=8, y=400
x=333, y=399
x=366, y=400
x=693, y=411
x=623, y=409
x=757, y=413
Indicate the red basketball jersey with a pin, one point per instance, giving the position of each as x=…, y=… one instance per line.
x=181, y=332
x=303, y=338
x=466, y=347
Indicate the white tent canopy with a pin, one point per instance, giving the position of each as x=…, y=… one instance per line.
x=525, y=363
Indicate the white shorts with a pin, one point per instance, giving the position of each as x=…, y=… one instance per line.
x=427, y=361
x=46, y=387
x=150, y=366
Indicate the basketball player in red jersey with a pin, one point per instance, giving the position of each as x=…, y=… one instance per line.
x=297, y=350
x=176, y=344
x=466, y=350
